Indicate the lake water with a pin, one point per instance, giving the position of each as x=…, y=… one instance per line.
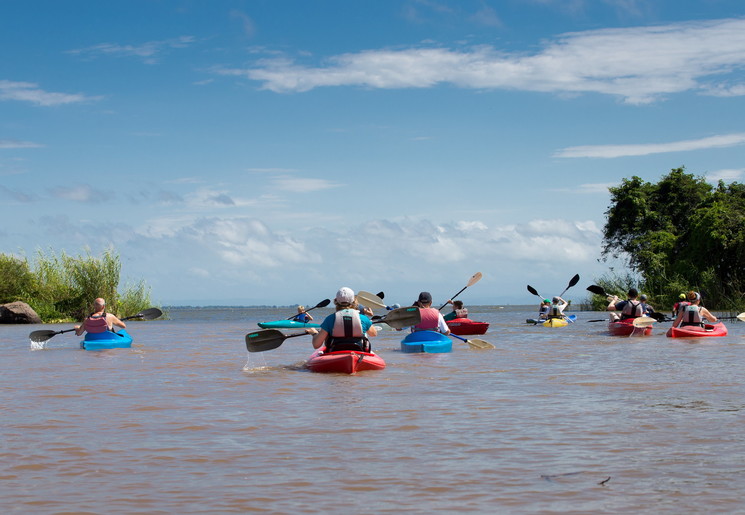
x=553, y=420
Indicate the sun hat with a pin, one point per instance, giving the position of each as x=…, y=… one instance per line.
x=345, y=295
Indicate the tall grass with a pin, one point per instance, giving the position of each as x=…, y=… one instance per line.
x=63, y=287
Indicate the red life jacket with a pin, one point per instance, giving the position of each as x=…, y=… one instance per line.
x=96, y=324
x=430, y=320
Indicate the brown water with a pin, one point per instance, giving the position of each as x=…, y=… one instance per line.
x=553, y=420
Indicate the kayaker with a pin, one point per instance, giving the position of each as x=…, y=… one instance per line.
x=629, y=308
x=458, y=310
x=99, y=321
x=302, y=316
x=681, y=302
x=347, y=328
x=556, y=308
x=432, y=319
x=543, y=309
x=647, y=310
x=693, y=313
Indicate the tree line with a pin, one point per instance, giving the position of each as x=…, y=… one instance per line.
x=676, y=235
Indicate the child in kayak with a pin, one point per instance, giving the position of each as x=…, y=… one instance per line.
x=458, y=310
x=302, y=316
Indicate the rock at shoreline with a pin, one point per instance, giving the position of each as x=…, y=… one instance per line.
x=18, y=313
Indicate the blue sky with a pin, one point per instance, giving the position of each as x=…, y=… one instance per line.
x=270, y=151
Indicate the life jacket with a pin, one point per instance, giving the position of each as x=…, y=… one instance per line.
x=96, y=324
x=430, y=320
x=461, y=313
x=554, y=311
x=632, y=309
x=301, y=317
x=347, y=333
x=692, y=316
x=681, y=306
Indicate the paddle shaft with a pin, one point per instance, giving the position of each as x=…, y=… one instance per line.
x=473, y=280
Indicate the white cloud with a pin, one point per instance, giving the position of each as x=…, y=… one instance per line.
x=148, y=51
x=639, y=64
x=303, y=184
x=9, y=143
x=729, y=175
x=30, y=92
x=644, y=149
x=83, y=194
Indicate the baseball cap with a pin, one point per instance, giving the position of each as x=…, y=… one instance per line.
x=345, y=295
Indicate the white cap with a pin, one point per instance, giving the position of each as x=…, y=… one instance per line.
x=345, y=295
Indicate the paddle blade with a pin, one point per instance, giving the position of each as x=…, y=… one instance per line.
x=574, y=280
x=474, y=279
x=597, y=290
x=264, y=340
x=369, y=299
x=381, y=294
x=42, y=335
x=643, y=321
x=660, y=317
x=402, y=317
x=533, y=291
x=147, y=314
x=480, y=344
x=322, y=304
x=741, y=317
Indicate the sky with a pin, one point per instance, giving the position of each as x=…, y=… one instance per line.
x=244, y=152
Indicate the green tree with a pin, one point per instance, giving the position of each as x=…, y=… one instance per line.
x=16, y=280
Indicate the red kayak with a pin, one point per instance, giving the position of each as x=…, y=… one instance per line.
x=694, y=331
x=463, y=326
x=626, y=328
x=344, y=361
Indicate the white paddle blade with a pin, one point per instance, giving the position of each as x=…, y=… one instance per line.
x=643, y=321
x=474, y=279
x=480, y=344
x=741, y=317
x=370, y=299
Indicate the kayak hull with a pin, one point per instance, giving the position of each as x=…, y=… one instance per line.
x=426, y=341
x=344, y=361
x=106, y=340
x=718, y=329
x=287, y=324
x=466, y=326
x=626, y=328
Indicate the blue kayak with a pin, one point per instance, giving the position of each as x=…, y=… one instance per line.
x=287, y=324
x=426, y=341
x=106, y=340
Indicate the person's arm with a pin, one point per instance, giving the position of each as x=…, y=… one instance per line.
x=612, y=306
x=80, y=329
x=114, y=321
x=319, y=337
x=707, y=315
x=442, y=326
x=678, y=318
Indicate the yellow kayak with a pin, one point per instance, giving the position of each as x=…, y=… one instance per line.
x=559, y=322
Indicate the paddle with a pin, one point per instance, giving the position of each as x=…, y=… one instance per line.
x=322, y=304
x=740, y=317
x=368, y=299
x=597, y=290
x=643, y=321
x=476, y=342
x=574, y=280
x=45, y=334
x=473, y=280
x=401, y=317
x=267, y=339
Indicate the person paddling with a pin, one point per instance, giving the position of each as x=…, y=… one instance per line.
x=629, y=308
x=302, y=315
x=99, y=321
x=458, y=310
x=347, y=328
x=693, y=313
x=432, y=319
x=556, y=308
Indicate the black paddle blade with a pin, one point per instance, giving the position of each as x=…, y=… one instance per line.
x=597, y=290
x=660, y=317
x=402, y=317
x=266, y=339
x=147, y=314
x=533, y=291
x=42, y=335
x=574, y=281
x=323, y=303
x=381, y=294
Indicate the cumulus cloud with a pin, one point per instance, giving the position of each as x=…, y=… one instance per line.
x=638, y=64
x=644, y=149
x=31, y=92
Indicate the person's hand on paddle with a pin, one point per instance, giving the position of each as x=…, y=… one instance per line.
x=311, y=330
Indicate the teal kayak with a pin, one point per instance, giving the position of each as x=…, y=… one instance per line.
x=106, y=340
x=287, y=324
x=426, y=341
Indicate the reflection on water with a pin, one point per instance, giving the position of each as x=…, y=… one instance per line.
x=552, y=420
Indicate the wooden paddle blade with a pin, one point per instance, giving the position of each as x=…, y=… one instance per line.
x=402, y=317
x=266, y=339
x=597, y=290
x=474, y=279
x=42, y=335
x=741, y=317
x=480, y=344
x=643, y=321
x=369, y=299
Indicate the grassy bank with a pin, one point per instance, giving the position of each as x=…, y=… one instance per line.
x=61, y=288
